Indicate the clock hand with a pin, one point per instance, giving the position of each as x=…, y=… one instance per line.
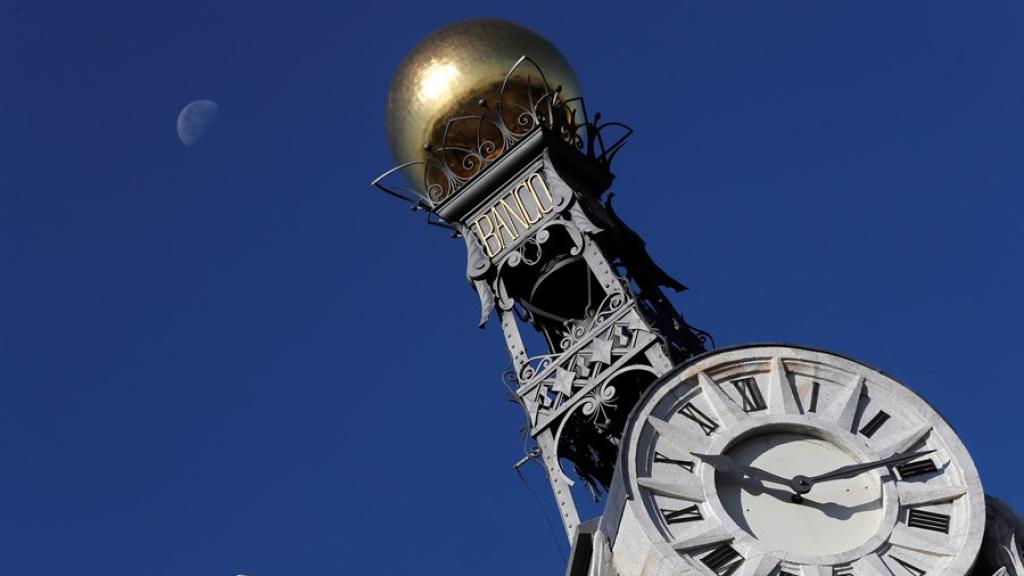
x=723, y=463
x=803, y=484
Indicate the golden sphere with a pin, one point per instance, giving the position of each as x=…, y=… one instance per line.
x=451, y=71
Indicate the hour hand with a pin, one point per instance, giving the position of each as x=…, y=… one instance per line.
x=723, y=463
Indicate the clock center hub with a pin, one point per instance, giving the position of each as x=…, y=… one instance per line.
x=830, y=518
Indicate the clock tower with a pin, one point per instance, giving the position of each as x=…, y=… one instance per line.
x=762, y=461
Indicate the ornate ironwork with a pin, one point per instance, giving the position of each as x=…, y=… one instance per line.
x=592, y=351
x=472, y=142
x=605, y=341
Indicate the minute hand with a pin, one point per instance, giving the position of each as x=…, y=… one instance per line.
x=803, y=484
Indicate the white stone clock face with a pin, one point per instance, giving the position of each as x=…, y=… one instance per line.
x=715, y=455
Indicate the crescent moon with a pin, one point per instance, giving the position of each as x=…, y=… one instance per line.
x=195, y=120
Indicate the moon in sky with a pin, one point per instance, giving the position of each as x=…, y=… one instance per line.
x=195, y=120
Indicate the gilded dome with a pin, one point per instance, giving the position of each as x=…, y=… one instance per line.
x=453, y=70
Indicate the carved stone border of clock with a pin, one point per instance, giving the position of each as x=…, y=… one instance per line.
x=644, y=546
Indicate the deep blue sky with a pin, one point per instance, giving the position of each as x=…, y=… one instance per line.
x=238, y=358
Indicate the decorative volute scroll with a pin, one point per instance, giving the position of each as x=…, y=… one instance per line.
x=472, y=142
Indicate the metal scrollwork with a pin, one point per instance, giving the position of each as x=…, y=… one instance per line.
x=532, y=245
x=599, y=403
x=531, y=252
x=510, y=378
x=535, y=365
x=577, y=330
x=472, y=142
x=580, y=372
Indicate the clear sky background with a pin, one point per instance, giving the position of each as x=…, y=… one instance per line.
x=239, y=358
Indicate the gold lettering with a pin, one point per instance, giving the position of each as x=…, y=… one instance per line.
x=486, y=237
x=500, y=223
x=496, y=230
x=517, y=194
x=547, y=192
x=514, y=216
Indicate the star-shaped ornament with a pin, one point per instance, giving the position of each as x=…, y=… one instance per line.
x=601, y=351
x=562, y=382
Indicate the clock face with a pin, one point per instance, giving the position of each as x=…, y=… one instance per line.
x=780, y=461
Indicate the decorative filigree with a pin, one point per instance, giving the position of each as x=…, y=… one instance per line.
x=596, y=407
x=599, y=403
x=472, y=142
x=577, y=378
x=577, y=330
x=531, y=252
x=535, y=365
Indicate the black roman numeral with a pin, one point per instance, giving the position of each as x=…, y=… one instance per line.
x=690, y=514
x=874, y=424
x=750, y=394
x=928, y=520
x=914, y=570
x=686, y=464
x=912, y=469
x=814, y=397
x=723, y=560
x=703, y=420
